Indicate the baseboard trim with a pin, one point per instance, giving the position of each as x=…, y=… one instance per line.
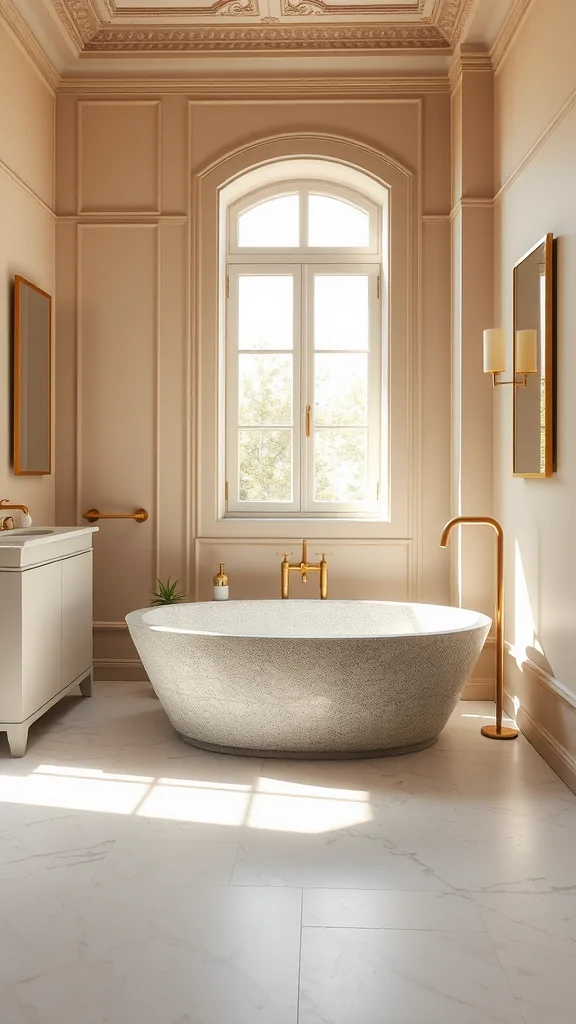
x=536, y=699
x=122, y=669
x=559, y=759
x=478, y=689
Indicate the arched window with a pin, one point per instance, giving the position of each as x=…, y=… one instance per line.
x=303, y=370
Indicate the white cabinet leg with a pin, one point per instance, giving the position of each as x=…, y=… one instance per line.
x=86, y=686
x=17, y=739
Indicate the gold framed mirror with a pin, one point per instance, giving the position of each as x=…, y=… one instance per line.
x=533, y=444
x=32, y=380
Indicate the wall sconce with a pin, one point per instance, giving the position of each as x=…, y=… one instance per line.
x=526, y=355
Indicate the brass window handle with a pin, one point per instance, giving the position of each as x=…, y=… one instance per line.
x=308, y=420
x=93, y=515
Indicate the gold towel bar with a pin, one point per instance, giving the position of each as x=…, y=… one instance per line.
x=93, y=515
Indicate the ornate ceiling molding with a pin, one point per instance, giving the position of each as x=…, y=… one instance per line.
x=258, y=38
x=229, y=7
x=451, y=17
x=80, y=17
x=305, y=8
x=101, y=27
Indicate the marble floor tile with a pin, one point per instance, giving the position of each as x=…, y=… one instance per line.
x=370, y=976
x=377, y=908
x=143, y=881
x=182, y=861
x=132, y=954
x=335, y=860
x=535, y=939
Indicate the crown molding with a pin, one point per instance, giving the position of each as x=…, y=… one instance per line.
x=257, y=88
x=508, y=32
x=468, y=61
x=16, y=24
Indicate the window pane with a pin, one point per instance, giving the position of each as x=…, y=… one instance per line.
x=275, y=222
x=265, y=465
x=340, y=465
x=265, y=390
x=341, y=312
x=333, y=222
x=341, y=390
x=265, y=312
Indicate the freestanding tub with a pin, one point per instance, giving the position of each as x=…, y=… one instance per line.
x=309, y=679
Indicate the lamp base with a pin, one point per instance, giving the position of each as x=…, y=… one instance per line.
x=505, y=733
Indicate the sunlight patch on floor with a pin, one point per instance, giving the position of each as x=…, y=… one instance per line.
x=271, y=804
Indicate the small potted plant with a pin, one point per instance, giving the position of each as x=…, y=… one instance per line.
x=167, y=593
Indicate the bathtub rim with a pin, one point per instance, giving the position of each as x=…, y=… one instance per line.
x=136, y=619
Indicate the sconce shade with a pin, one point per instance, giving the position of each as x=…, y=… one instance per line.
x=526, y=351
x=494, y=350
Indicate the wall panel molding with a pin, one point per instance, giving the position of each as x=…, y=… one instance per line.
x=21, y=185
x=536, y=146
x=470, y=204
x=121, y=218
x=81, y=229
x=271, y=88
x=85, y=104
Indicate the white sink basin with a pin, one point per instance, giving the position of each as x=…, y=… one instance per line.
x=27, y=531
x=22, y=548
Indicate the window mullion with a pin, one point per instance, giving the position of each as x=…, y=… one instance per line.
x=307, y=386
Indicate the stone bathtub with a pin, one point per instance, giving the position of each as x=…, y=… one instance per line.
x=308, y=679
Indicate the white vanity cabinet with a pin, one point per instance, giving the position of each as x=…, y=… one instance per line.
x=45, y=624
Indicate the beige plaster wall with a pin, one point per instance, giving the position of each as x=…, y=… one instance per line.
x=27, y=234
x=535, y=158
x=136, y=333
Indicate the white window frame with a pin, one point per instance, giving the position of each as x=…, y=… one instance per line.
x=303, y=263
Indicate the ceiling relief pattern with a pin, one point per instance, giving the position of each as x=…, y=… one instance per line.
x=299, y=39
x=305, y=8
x=256, y=26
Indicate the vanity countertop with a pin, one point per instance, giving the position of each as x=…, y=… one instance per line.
x=33, y=545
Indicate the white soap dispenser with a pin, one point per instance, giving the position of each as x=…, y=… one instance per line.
x=221, y=584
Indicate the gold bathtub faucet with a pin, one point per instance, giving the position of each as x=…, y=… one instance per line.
x=4, y=506
x=498, y=731
x=304, y=567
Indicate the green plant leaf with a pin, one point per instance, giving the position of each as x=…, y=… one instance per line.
x=167, y=593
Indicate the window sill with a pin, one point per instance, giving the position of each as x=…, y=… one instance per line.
x=241, y=517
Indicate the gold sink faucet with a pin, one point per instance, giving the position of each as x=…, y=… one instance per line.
x=304, y=567
x=498, y=731
x=4, y=506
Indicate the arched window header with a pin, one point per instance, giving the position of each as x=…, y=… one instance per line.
x=304, y=216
